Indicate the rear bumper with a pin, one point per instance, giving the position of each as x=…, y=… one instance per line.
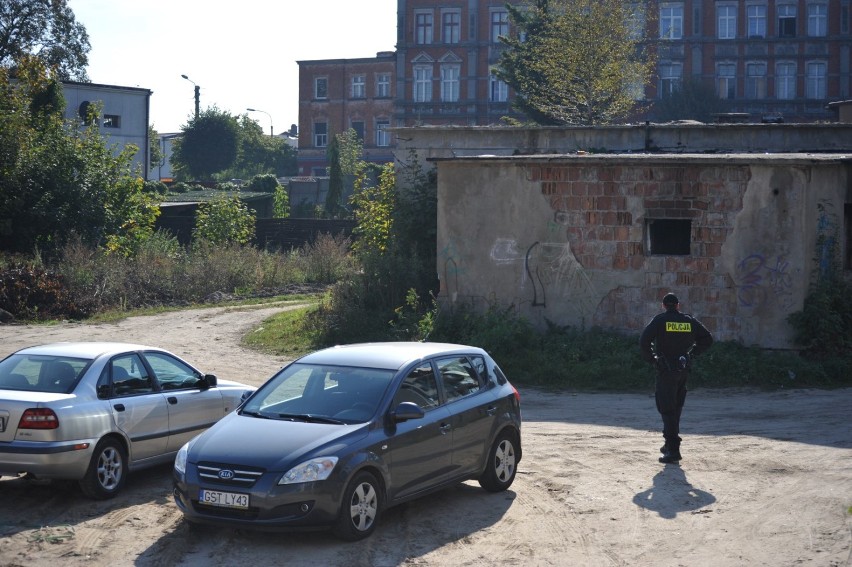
x=57, y=459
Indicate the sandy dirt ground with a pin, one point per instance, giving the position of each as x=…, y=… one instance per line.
x=766, y=480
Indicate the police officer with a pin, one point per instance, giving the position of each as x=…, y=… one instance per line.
x=669, y=342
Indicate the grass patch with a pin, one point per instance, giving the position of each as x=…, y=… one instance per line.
x=284, y=334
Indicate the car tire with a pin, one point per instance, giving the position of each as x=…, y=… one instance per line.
x=360, y=508
x=107, y=471
x=502, y=465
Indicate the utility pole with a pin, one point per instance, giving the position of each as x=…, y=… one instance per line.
x=197, y=95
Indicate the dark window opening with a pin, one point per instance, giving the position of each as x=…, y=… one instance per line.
x=112, y=121
x=358, y=126
x=670, y=237
x=847, y=224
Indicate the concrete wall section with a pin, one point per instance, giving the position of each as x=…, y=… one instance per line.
x=576, y=240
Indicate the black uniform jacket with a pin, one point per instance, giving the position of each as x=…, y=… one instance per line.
x=673, y=334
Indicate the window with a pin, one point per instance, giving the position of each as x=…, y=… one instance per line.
x=815, y=80
x=499, y=25
x=450, y=26
x=785, y=80
x=726, y=80
x=358, y=126
x=449, y=83
x=423, y=28
x=383, y=85
x=755, y=80
x=112, y=121
x=671, y=21
x=458, y=378
x=172, y=374
x=670, y=74
x=382, y=134
x=129, y=376
x=786, y=20
x=726, y=18
x=320, y=134
x=422, y=84
x=499, y=90
x=756, y=21
x=419, y=387
x=359, y=87
x=321, y=87
x=670, y=237
x=817, y=20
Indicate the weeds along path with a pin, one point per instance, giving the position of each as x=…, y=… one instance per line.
x=209, y=338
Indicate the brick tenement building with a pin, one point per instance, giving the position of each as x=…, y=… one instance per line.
x=338, y=94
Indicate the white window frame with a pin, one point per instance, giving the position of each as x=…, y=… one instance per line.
x=383, y=81
x=755, y=80
x=382, y=134
x=787, y=12
x=785, y=80
x=359, y=86
x=726, y=21
x=499, y=24
x=816, y=78
x=450, y=80
x=756, y=15
x=817, y=19
x=317, y=81
x=726, y=80
x=422, y=83
x=498, y=90
x=320, y=138
x=671, y=20
x=451, y=26
x=424, y=25
x=671, y=75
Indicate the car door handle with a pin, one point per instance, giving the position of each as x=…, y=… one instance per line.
x=445, y=428
x=491, y=410
x=172, y=400
x=119, y=407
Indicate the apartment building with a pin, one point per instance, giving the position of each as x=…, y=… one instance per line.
x=778, y=60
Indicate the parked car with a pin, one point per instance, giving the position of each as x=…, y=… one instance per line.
x=336, y=437
x=92, y=412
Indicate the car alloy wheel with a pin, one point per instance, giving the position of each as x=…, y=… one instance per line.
x=361, y=507
x=500, y=471
x=106, y=473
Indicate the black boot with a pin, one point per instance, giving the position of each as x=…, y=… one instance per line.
x=670, y=455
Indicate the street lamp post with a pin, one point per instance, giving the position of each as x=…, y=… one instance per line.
x=197, y=94
x=271, y=131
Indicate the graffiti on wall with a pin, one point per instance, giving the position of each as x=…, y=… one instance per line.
x=764, y=280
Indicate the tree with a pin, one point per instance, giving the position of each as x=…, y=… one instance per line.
x=693, y=99
x=57, y=180
x=48, y=30
x=208, y=145
x=224, y=220
x=154, y=150
x=575, y=62
x=335, y=179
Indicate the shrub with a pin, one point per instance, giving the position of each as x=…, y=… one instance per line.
x=28, y=291
x=264, y=183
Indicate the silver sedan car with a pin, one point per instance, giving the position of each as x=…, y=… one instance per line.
x=92, y=412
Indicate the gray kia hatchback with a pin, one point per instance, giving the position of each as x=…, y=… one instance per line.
x=338, y=436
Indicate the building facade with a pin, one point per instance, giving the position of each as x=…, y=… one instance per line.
x=338, y=94
x=769, y=60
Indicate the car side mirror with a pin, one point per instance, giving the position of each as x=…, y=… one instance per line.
x=208, y=381
x=407, y=410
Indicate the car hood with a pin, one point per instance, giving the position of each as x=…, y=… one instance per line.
x=270, y=443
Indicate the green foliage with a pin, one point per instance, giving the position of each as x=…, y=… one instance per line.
x=55, y=179
x=208, y=145
x=694, y=99
x=263, y=183
x=281, y=203
x=327, y=258
x=154, y=150
x=259, y=153
x=29, y=291
x=224, y=220
x=374, y=207
x=155, y=187
x=575, y=62
x=335, y=179
x=47, y=30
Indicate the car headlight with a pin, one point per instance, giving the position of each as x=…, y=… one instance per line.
x=310, y=471
x=181, y=457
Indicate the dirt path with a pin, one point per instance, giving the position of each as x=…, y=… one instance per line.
x=766, y=480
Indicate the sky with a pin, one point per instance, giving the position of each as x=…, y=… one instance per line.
x=242, y=54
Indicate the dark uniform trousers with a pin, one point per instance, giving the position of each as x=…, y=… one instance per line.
x=670, y=394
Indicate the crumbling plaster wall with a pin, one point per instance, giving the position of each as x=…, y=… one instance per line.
x=565, y=239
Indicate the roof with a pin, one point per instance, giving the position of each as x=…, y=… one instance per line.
x=86, y=350
x=210, y=195
x=387, y=355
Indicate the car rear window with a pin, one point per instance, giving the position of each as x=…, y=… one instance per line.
x=40, y=373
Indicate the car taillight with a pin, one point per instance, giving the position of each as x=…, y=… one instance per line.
x=38, y=418
x=517, y=394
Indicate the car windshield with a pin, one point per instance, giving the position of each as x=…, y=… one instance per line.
x=40, y=373
x=320, y=394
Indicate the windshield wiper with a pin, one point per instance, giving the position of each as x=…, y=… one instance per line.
x=254, y=414
x=309, y=418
